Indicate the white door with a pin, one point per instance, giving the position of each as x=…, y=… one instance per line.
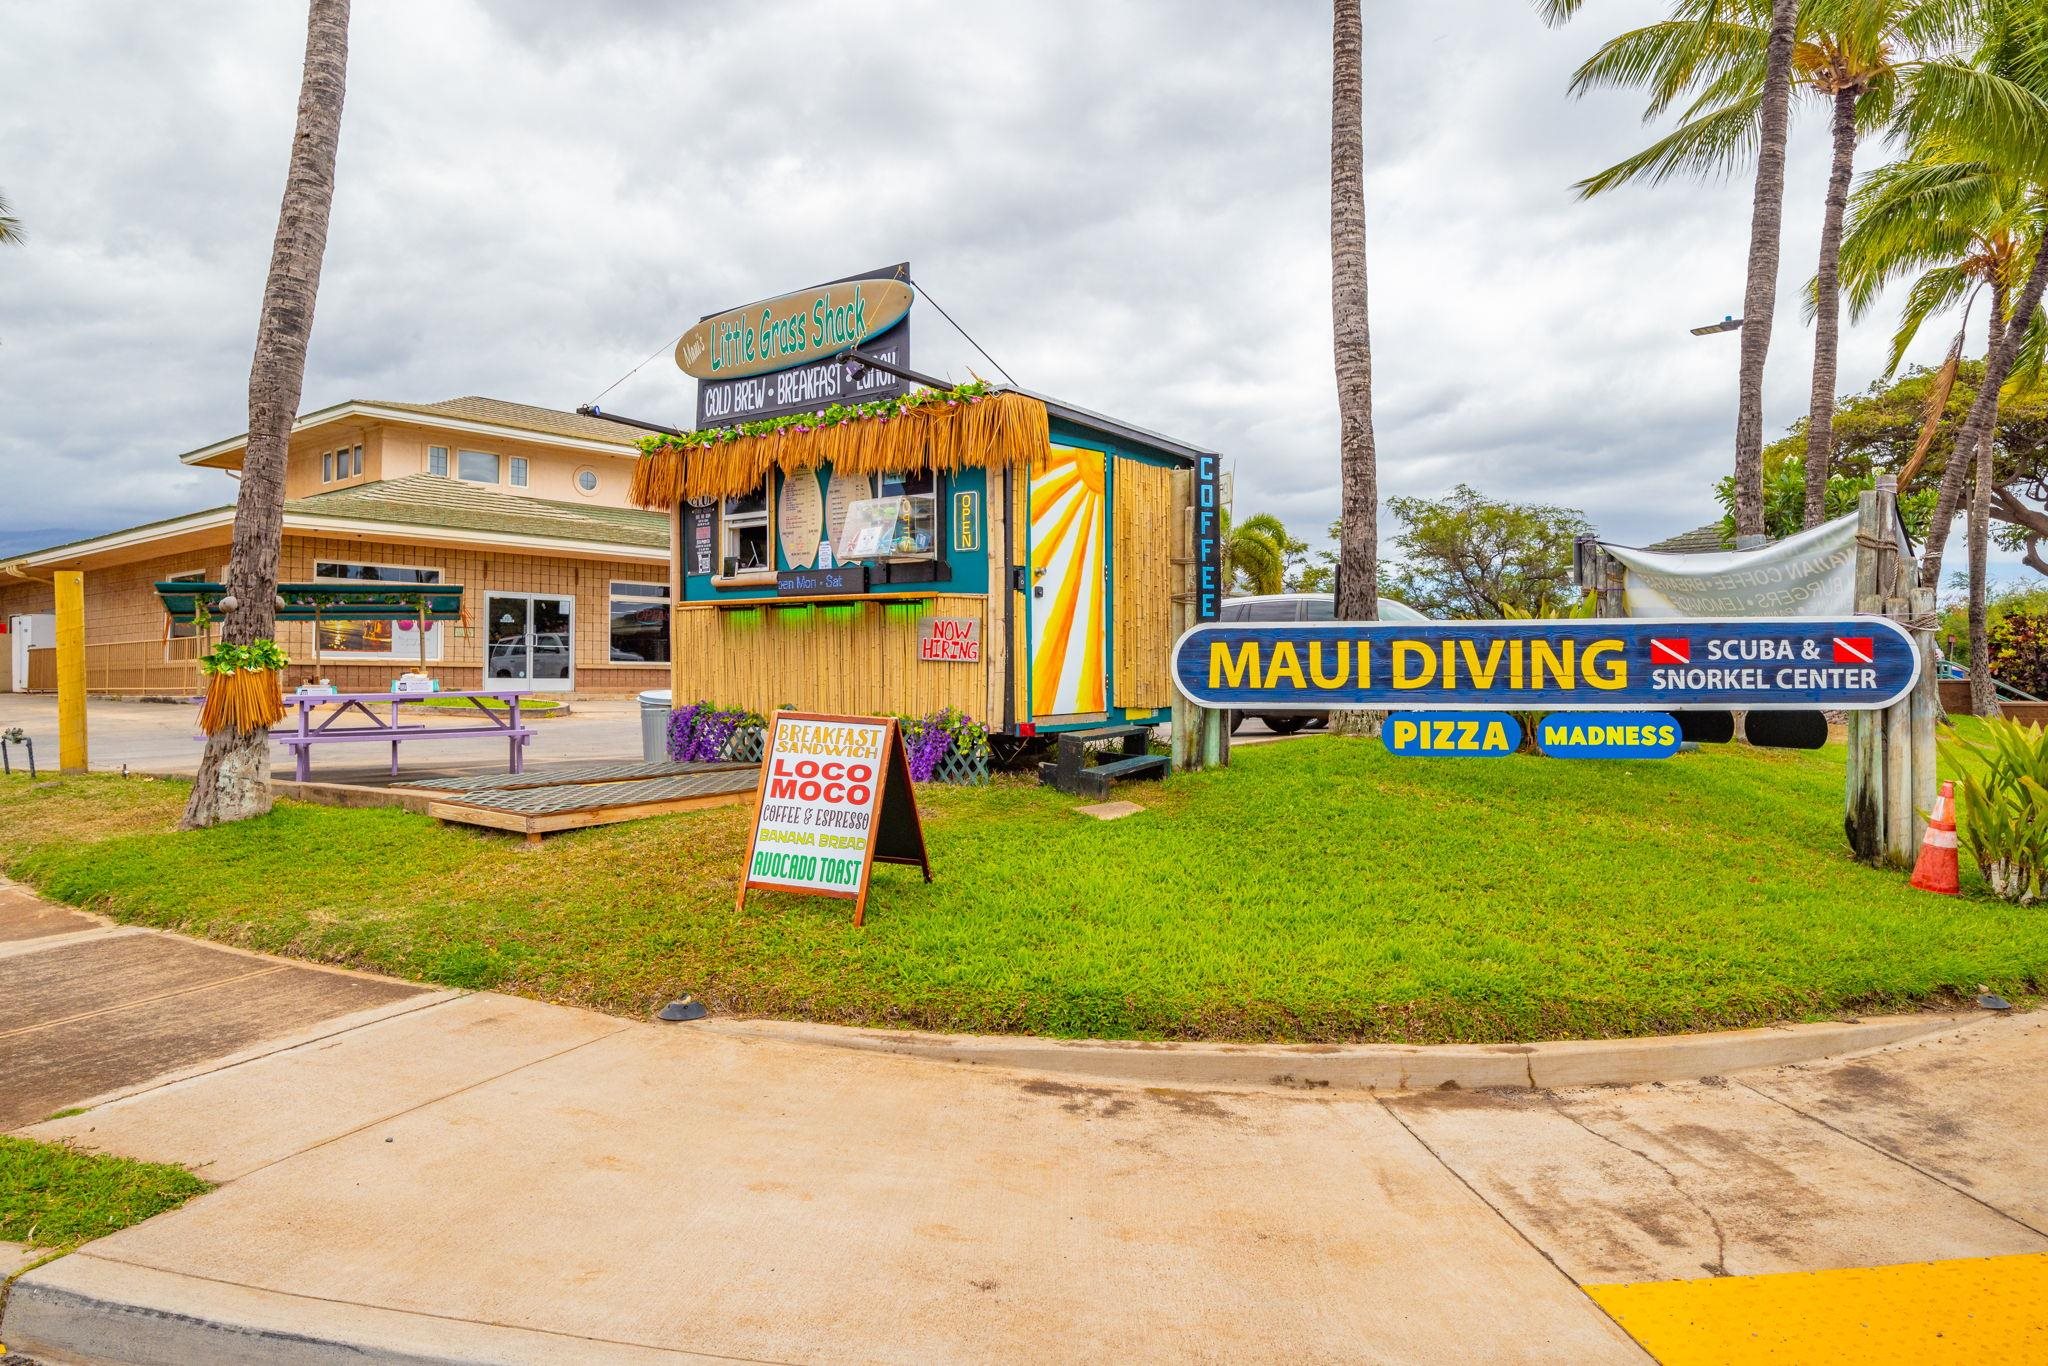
x=25, y=633
x=530, y=642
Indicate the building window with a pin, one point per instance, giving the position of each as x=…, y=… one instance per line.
x=182, y=630
x=586, y=480
x=518, y=471
x=327, y=467
x=476, y=467
x=639, y=623
x=437, y=460
x=389, y=639
x=743, y=535
x=357, y=467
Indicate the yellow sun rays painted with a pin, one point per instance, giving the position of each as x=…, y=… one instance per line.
x=1067, y=614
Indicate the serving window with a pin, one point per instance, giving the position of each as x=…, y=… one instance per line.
x=901, y=523
x=745, y=540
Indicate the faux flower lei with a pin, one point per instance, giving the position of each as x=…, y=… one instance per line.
x=256, y=657
x=883, y=409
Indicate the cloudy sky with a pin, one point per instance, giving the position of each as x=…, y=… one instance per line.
x=1126, y=203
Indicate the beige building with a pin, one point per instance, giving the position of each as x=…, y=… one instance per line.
x=565, y=582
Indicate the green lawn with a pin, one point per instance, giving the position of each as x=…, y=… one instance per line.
x=1318, y=890
x=56, y=1197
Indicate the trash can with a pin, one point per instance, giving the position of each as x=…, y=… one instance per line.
x=654, y=710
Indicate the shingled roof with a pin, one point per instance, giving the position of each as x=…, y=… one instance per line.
x=1701, y=540
x=524, y=416
x=427, y=500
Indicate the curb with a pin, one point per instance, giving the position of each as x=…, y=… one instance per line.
x=90, y=1308
x=1379, y=1067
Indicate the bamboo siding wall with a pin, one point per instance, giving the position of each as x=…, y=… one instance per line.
x=1143, y=595
x=858, y=658
x=138, y=667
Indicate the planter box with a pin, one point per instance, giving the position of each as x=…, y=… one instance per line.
x=2026, y=713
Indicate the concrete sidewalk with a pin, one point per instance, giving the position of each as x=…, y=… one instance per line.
x=163, y=737
x=481, y=1178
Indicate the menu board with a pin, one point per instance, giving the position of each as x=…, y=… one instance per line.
x=800, y=518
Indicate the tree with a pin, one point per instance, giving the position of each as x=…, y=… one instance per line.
x=234, y=773
x=1992, y=113
x=10, y=226
x=1736, y=58
x=1881, y=431
x=1467, y=555
x=1358, y=549
x=1255, y=553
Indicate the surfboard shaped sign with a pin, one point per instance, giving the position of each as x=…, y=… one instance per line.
x=1747, y=664
x=776, y=334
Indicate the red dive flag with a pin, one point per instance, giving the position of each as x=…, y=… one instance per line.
x=1855, y=650
x=1670, y=650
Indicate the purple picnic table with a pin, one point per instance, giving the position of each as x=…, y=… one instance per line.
x=500, y=725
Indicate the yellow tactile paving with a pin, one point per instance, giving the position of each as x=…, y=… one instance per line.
x=1992, y=1309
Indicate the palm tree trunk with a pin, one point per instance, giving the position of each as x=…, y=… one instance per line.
x=1983, y=695
x=1766, y=216
x=1978, y=424
x=234, y=773
x=1358, y=543
x=1358, y=548
x=1820, y=423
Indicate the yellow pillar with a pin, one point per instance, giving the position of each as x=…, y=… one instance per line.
x=70, y=585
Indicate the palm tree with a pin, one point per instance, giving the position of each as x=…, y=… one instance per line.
x=1255, y=552
x=1358, y=549
x=1990, y=114
x=234, y=773
x=1965, y=226
x=10, y=226
x=1855, y=55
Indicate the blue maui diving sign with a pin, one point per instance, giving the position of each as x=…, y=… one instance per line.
x=1748, y=664
x=1608, y=735
x=1468, y=734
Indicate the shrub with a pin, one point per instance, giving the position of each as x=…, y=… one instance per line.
x=927, y=740
x=2015, y=627
x=2002, y=806
x=697, y=734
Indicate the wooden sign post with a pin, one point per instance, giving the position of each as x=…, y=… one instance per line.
x=835, y=799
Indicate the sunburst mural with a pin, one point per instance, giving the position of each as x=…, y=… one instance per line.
x=1067, y=625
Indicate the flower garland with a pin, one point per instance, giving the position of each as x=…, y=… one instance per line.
x=965, y=426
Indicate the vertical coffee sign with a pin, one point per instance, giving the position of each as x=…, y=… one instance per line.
x=776, y=356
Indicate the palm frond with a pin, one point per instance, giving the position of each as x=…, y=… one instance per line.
x=1556, y=13
x=10, y=226
x=1982, y=114
x=1934, y=292
x=1668, y=59
x=2028, y=360
x=1931, y=410
x=1720, y=141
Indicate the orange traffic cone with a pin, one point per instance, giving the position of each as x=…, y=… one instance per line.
x=1936, y=869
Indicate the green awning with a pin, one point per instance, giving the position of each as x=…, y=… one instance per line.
x=325, y=601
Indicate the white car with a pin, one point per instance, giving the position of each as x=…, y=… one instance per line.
x=1298, y=607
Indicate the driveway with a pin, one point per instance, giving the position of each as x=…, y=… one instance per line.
x=163, y=737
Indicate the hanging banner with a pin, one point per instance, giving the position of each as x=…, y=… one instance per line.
x=1766, y=664
x=1812, y=574
x=835, y=799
